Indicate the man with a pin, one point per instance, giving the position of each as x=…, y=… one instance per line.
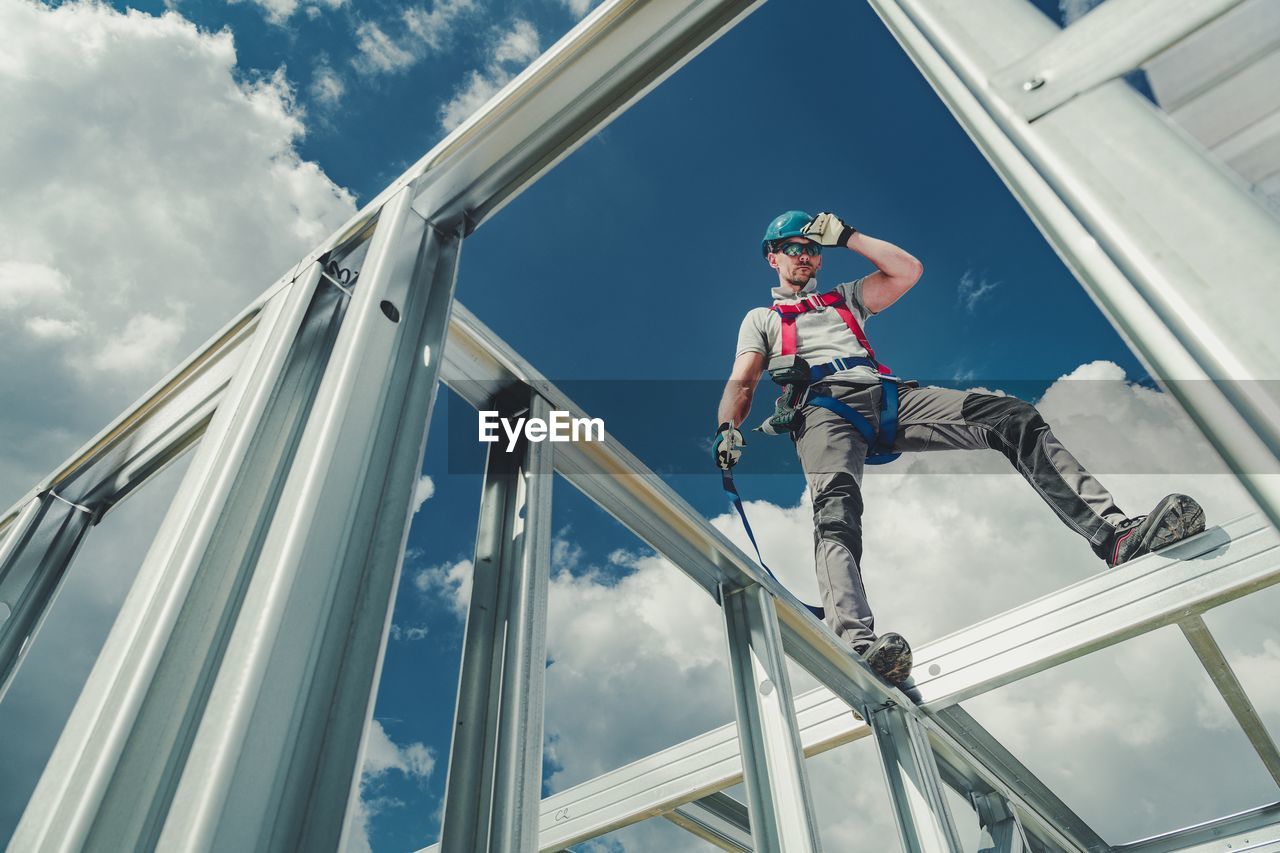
x=850, y=409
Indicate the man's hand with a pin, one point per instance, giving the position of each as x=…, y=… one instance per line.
x=726, y=446
x=827, y=229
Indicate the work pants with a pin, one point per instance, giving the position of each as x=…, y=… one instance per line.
x=833, y=453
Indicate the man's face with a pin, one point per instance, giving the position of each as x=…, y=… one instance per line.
x=796, y=269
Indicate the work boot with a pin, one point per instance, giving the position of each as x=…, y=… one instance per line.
x=1175, y=518
x=890, y=657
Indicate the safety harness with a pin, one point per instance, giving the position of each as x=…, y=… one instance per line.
x=879, y=442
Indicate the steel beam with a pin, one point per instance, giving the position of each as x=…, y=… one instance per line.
x=228, y=705
x=133, y=685
x=1220, y=565
x=495, y=762
x=915, y=788
x=1257, y=830
x=718, y=819
x=1157, y=232
x=782, y=816
x=1224, y=678
x=37, y=551
x=1108, y=42
x=1001, y=823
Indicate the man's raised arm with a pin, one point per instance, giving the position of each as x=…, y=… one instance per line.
x=896, y=269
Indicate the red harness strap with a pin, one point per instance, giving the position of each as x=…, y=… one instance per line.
x=816, y=302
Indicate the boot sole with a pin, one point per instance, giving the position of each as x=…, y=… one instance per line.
x=890, y=658
x=1179, y=517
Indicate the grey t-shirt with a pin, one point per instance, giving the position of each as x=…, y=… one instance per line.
x=821, y=336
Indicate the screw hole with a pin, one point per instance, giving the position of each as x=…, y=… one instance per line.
x=393, y=314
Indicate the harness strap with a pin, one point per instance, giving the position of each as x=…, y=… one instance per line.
x=879, y=444
x=817, y=302
x=726, y=480
x=822, y=371
x=788, y=334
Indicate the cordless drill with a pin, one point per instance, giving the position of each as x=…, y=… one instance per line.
x=792, y=373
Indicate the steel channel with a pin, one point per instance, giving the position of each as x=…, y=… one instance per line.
x=915, y=788
x=495, y=762
x=1142, y=216
x=1112, y=40
x=718, y=819
x=276, y=745
x=33, y=573
x=119, y=718
x=781, y=809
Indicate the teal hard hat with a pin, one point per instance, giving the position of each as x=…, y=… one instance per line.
x=789, y=224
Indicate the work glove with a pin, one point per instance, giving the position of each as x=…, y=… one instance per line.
x=726, y=446
x=827, y=229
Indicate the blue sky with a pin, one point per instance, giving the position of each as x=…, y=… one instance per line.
x=622, y=275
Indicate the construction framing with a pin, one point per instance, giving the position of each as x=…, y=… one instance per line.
x=228, y=707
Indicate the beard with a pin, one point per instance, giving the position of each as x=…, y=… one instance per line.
x=800, y=276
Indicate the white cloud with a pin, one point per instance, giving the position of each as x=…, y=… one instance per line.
x=433, y=27
x=417, y=33
x=326, y=87
x=512, y=51
x=423, y=491
x=519, y=44
x=135, y=224
x=280, y=11
x=145, y=341
x=378, y=52
x=26, y=285
x=579, y=8
x=638, y=663
x=972, y=289
x=381, y=756
x=479, y=88
x=410, y=633
x=452, y=581
x=42, y=297
x=52, y=328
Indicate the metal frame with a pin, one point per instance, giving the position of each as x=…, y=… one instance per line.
x=1111, y=187
x=229, y=704
x=772, y=760
x=717, y=818
x=495, y=761
x=915, y=785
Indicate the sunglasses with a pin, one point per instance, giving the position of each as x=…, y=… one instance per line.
x=795, y=250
